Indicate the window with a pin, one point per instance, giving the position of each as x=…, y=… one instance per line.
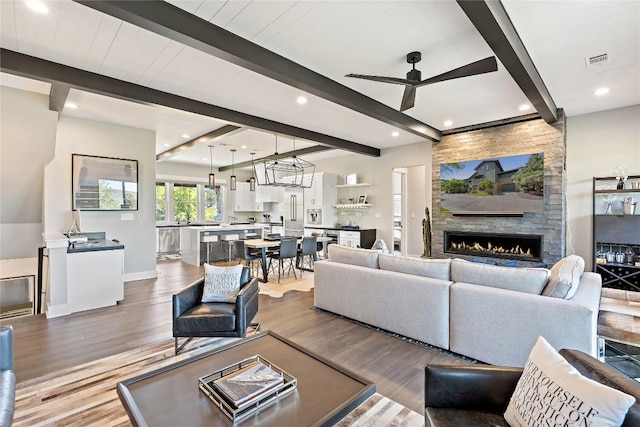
x=161, y=202
x=185, y=199
x=212, y=204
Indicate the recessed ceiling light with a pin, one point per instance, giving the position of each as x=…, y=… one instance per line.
x=71, y=105
x=185, y=135
x=448, y=122
x=37, y=6
x=167, y=145
x=524, y=107
x=395, y=134
x=601, y=91
x=244, y=147
x=301, y=100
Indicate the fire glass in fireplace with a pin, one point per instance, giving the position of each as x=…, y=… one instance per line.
x=513, y=246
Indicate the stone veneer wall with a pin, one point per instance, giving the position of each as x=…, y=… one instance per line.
x=527, y=137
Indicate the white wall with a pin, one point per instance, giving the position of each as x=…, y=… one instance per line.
x=27, y=141
x=89, y=137
x=378, y=172
x=595, y=142
x=416, y=202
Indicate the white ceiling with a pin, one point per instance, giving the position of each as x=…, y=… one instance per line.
x=333, y=38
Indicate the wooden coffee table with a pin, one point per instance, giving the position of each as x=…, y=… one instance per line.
x=170, y=396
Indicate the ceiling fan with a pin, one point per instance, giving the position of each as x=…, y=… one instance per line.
x=413, y=81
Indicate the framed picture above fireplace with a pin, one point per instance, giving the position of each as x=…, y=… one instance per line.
x=493, y=186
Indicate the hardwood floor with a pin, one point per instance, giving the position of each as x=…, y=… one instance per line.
x=144, y=316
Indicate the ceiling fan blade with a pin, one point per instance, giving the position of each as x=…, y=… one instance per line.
x=486, y=65
x=408, y=98
x=383, y=79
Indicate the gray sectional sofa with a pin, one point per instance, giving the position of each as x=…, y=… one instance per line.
x=490, y=313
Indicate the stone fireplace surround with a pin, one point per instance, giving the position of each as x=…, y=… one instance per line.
x=499, y=139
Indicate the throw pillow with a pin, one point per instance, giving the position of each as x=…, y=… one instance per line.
x=565, y=277
x=221, y=284
x=552, y=392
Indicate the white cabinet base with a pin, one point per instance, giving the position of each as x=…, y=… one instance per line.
x=95, y=279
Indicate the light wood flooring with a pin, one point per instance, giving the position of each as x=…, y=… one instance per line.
x=144, y=316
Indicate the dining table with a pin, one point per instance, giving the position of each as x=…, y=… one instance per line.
x=264, y=244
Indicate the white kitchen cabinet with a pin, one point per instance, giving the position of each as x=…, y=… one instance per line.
x=349, y=238
x=320, y=197
x=244, y=200
x=322, y=190
x=95, y=279
x=269, y=194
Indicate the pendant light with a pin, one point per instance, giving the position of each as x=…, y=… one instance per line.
x=252, y=180
x=232, y=181
x=212, y=176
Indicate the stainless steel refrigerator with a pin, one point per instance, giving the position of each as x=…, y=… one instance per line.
x=293, y=212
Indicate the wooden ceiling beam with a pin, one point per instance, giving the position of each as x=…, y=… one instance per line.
x=183, y=27
x=494, y=25
x=58, y=96
x=40, y=69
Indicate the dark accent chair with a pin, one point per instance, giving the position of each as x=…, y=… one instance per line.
x=193, y=318
x=7, y=377
x=471, y=395
x=288, y=251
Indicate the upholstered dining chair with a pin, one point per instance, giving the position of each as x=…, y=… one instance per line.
x=307, y=251
x=243, y=253
x=288, y=251
x=193, y=318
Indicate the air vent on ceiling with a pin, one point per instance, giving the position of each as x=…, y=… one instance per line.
x=597, y=61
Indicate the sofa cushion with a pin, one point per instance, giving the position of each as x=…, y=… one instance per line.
x=529, y=280
x=354, y=256
x=221, y=284
x=552, y=392
x=565, y=277
x=434, y=268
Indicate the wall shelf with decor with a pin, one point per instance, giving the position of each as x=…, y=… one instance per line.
x=352, y=206
x=360, y=184
x=616, y=231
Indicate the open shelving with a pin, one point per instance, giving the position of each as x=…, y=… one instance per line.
x=616, y=231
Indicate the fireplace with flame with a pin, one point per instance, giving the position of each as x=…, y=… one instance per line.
x=527, y=247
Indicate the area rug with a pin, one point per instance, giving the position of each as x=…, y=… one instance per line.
x=277, y=290
x=85, y=395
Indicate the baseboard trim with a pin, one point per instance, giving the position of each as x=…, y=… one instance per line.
x=141, y=275
x=57, y=310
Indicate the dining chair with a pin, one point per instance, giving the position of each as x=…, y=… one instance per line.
x=244, y=253
x=288, y=251
x=308, y=249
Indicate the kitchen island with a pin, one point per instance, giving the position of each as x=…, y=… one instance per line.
x=210, y=243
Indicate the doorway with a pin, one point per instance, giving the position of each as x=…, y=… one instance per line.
x=399, y=211
x=410, y=195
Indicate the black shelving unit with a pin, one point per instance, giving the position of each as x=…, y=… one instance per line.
x=616, y=231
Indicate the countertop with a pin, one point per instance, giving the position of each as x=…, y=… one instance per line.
x=338, y=228
x=215, y=224
x=94, y=245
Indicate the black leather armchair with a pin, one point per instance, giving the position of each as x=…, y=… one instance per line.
x=7, y=377
x=193, y=318
x=463, y=395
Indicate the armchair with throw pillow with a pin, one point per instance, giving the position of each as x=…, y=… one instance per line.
x=553, y=388
x=221, y=304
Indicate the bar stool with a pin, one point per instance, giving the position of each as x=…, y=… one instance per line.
x=229, y=238
x=209, y=240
